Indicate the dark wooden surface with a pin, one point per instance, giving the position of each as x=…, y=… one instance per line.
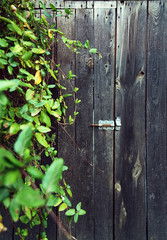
x=130, y=206
x=84, y=135
x=103, y=110
x=119, y=176
x=156, y=121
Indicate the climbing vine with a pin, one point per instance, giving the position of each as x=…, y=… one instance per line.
x=30, y=190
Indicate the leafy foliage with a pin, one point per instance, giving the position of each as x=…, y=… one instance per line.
x=28, y=108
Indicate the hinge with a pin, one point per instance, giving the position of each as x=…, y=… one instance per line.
x=109, y=124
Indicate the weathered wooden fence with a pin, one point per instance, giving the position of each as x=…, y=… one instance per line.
x=120, y=176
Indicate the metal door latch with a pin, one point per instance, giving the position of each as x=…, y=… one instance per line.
x=109, y=124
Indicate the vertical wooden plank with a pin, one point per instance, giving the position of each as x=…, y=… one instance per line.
x=103, y=110
x=6, y=222
x=84, y=133
x=130, y=211
x=66, y=148
x=156, y=121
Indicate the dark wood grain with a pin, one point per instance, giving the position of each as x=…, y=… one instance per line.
x=103, y=110
x=66, y=148
x=8, y=234
x=84, y=134
x=156, y=121
x=130, y=206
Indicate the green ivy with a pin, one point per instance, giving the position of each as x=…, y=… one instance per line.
x=28, y=110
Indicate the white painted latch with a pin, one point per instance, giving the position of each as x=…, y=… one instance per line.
x=109, y=124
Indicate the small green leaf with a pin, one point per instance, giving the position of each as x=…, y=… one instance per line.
x=5, y=155
x=43, y=129
x=16, y=28
x=86, y=45
x=45, y=119
x=23, y=141
x=27, y=56
x=62, y=207
x=78, y=207
x=16, y=49
x=7, y=84
x=3, y=61
x=10, y=177
x=81, y=212
x=67, y=201
x=21, y=18
x=30, y=34
x=54, y=202
x=53, y=175
x=3, y=99
x=10, y=70
x=29, y=94
x=41, y=140
x=70, y=212
x=76, y=218
x=53, y=7
x=30, y=198
x=38, y=50
x=36, y=173
x=3, y=42
x=14, y=128
x=93, y=50
x=4, y=193
x=27, y=43
x=24, y=219
x=14, y=209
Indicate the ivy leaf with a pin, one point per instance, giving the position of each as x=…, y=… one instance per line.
x=55, y=114
x=16, y=28
x=29, y=197
x=3, y=99
x=62, y=207
x=41, y=140
x=78, y=207
x=43, y=129
x=38, y=77
x=93, y=50
x=6, y=156
x=81, y=212
x=30, y=34
x=45, y=119
x=14, y=209
x=52, y=176
x=23, y=141
x=10, y=177
x=4, y=193
x=16, y=49
x=67, y=201
x=3, y=61
x=7, y=84
x=76, y=218
x=70, y=212
x=27, y=56
x=36, y=173
x=10, y=70
x=29, y=94
x=3, y=42
x=14, y=128
x=38, y=50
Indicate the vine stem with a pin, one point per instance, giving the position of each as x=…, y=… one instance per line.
x=51, y=213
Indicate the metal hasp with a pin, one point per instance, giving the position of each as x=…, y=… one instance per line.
x=109, y=124
x=106, y=125
x=118, y=124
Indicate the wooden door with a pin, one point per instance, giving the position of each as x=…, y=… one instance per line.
x=119, y=176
